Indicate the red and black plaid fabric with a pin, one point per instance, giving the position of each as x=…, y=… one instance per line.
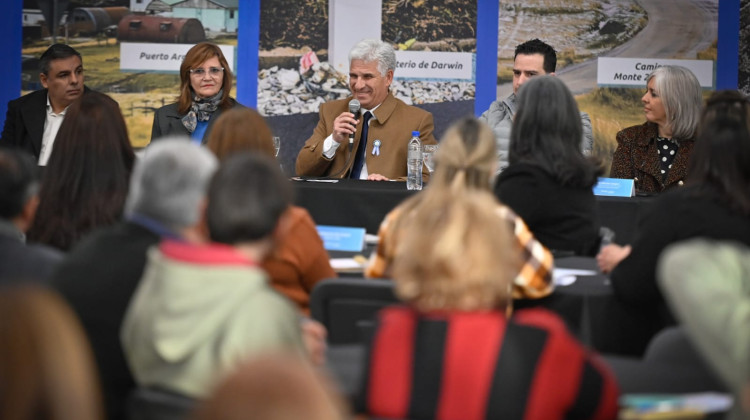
x=477, y=365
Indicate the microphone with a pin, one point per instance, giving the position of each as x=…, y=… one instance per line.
x=354, y=109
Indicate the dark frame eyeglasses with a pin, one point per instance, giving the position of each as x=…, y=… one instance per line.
x=213, y=71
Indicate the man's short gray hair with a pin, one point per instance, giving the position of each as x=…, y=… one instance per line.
x=369, y=50
x=169, y=182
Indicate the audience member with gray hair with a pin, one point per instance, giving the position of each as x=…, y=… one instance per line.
x=378, y=151
x=99, y=276
x=211, y=303
x=19, y=184
x=169, y=185
x=656, y=154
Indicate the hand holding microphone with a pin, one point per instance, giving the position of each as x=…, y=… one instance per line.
x=354, y=109
x=346, y=124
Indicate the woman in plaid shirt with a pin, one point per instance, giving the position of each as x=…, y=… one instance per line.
x=467, y=160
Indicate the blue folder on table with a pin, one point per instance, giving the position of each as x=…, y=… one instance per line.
x=340, y=238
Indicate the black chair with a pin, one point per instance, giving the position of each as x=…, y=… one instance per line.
x=147, y=403
x=673, y=346
x=347, y=306
x=670, y=365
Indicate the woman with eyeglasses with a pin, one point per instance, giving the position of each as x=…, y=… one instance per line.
x=205, y=83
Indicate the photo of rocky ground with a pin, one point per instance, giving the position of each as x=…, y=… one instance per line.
x=294, y=31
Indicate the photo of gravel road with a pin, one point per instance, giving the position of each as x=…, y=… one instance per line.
x=583, y=30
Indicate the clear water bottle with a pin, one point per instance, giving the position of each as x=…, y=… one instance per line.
x=414, y=163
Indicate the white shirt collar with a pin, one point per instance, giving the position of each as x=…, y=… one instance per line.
x=371, y=111
x=51, y=112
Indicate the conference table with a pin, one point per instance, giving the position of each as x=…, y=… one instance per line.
x=583, y=298
x=588, y=305
x=358, y=203
x=593, y=312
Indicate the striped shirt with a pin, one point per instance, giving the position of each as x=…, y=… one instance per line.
x=478, y=365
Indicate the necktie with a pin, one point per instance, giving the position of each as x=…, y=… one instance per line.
x=359, y=159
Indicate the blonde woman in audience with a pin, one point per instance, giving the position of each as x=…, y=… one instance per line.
x=451, y=353
x=46, y=367
x=467, y=161
x=299, y=260
x=274, y=387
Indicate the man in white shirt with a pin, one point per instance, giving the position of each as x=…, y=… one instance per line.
x=33, y=119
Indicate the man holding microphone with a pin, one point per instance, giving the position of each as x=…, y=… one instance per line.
x=372, y=143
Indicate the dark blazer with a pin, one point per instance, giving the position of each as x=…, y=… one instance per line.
x=167, y=121
x=393, y=127
x=20, y=262
x=24, y=122
x=637, y=157
x=98, y=278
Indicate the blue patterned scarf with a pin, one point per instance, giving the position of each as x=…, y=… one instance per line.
x=201, y=110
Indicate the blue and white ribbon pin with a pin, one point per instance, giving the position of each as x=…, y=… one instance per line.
x=376, y=148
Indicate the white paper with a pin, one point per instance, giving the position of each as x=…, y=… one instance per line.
x=708, y=402
x=345, y=264
x=567, y=276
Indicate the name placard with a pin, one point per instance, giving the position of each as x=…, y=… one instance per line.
x=434, y=65
x=633, y=72
x=615, y=187
x=340, y=238
x=145, y=56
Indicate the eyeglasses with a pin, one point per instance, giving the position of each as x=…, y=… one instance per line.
x=213, y=71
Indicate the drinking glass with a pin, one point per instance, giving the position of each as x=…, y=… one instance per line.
x=277, y=144
x=428, y=156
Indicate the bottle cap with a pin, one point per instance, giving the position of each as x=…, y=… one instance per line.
x=415, y=133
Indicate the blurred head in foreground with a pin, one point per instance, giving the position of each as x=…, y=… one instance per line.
x=273, y=387
x=46, y=364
